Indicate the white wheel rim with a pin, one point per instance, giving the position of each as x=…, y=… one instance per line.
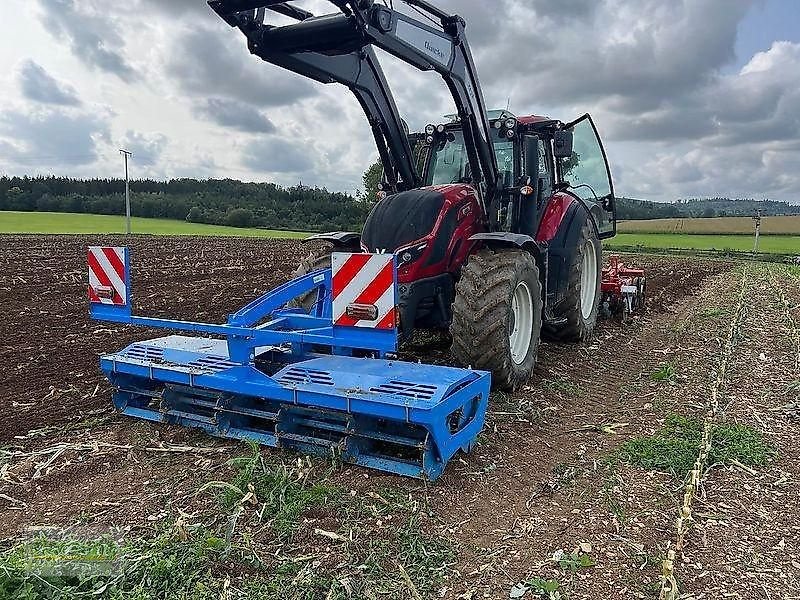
x=521, y=329
x=588, y=279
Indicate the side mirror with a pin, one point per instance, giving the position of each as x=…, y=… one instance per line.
x=562, y=143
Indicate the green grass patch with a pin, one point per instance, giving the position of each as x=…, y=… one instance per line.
x=376, y=544
x=778, y=225
x=71, y=223
x=713, y=313
x=192, y=562
x=674, y=448
x=562, y=385
x=163, y=566
x=768, y=244
x=282, y=493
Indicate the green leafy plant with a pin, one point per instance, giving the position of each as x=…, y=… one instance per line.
x=573, y=561
x=543, y=587
x=666, y=372
x=163, y=566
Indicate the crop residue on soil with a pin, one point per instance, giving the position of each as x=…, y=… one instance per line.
x=541, y=501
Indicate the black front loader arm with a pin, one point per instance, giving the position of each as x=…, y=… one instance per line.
x=337, y=48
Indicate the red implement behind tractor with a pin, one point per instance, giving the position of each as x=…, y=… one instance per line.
x=623, y=288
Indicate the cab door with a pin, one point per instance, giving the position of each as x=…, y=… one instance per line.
x=588, y=175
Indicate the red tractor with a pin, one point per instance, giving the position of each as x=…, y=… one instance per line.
x=495, y=220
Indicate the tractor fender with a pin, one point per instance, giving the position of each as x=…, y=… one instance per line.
x=510, y=240
x=554, y=214
x=560, y=209
x=339, y=239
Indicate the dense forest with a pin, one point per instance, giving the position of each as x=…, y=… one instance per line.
x=215, y=201
x=238, y=204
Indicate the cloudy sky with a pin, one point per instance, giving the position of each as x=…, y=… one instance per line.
x=693, y=97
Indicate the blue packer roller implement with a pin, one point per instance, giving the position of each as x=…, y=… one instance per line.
x=322, y=382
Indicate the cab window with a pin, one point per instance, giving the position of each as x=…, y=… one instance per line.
x=449, y=162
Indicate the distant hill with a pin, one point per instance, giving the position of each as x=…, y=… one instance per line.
x=631, y=208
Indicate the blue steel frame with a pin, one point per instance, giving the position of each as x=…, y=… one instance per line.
x=317, y=403
x=245, y=331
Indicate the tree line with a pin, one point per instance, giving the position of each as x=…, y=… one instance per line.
x=214, y=201
x=633, y=209
x=237, y=204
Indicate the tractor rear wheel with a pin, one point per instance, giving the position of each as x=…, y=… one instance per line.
x=497, y=315
x=319, y=258
x=581, y=303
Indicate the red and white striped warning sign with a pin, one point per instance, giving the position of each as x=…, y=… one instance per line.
x=363, y=290
x=107, y=275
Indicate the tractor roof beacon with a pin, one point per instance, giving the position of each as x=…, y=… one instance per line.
x=495, y=220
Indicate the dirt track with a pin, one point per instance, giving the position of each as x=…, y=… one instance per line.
x=535, y=485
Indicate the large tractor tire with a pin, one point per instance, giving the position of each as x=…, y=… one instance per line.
x=319, y=258
x=497, y=315
x=580, y=305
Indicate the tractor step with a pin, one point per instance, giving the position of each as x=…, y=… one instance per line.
x=402, y=417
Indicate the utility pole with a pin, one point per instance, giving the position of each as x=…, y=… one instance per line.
x=757, y=225
x=126, y=154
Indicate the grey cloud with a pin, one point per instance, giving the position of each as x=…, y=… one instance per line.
x=51, y=138
x=207, y=61
x=656, y=75
x=643, y=51
x=565, y=11
x=639, y=53
x=758, y=104
x=38, y=85
x=277, y=155
x=94, y=39
x=176, y=7
x=234, y=115
x=146, y=148
x=755, y=171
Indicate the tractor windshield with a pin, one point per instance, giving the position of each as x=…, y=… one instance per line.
x=449, y=162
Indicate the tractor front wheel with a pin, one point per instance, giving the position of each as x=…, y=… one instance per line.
x=497, y=315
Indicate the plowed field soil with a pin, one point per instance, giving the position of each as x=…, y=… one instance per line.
x=538, y=486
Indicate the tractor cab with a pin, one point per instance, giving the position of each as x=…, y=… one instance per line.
x=447, y=158
x=536, y=158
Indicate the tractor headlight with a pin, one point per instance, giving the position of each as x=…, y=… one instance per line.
x=409, y=254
